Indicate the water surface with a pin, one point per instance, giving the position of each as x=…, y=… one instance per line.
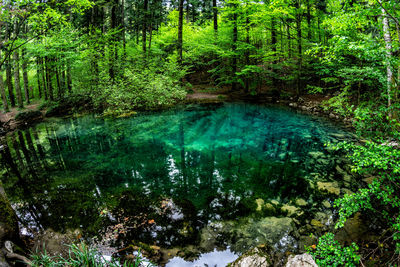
x=200, y=180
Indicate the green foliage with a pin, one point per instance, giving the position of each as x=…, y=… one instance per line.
x=148, y=88
x=330, y=253
x=381, y=197
x=82, y=255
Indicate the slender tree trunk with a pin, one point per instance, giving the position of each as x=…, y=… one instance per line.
x=234, y=48
x=273, y=36
x=180, y=30
x=25, y=76
x=144, y=25
x=69, y=77
x=388, y=46
x=150, y=35
x=59, y=90
x=9, y=82
x=48, y=78
x=45, y=87
x=123, y=30
x=215, y=15
x=309, y=20
x=299, y=51
x=17, y=80
x=3, y=93
x=247, y=54
x=289, y=40
x=187, y=10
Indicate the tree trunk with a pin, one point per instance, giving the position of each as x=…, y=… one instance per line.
x=215, y=15
x=45, y=88
x=309, y=20
x=48, y=79
x=144, y=25
x=3, y=93
x=9, y=82
x=17, y=80
x=247, y=54
x=25, y=76
x=388, y=46
x=234, y=47
x=299, y=51
x=60, y=90
x=69, y=77
x=180, y=30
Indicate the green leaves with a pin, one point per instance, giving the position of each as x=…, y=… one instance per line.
x=329, y=252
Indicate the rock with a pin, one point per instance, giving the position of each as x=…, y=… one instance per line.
x=291, y=210
x=329, y=187
x=28, y=116
x=261, y=256
x=277, y=232
x=54, y=243
x=303, y=260
x=260, y=204
x=326, y=204
x=301, y=202
x=316, y=223
x=353, y=230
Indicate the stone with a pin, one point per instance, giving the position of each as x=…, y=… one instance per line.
x=326, y=204
x=303, y=260
x=329, y=187
x=316, y=223
x=291, y=210
x=301, y=202
x=354, y=230
x=252, y=258
x=55, y=243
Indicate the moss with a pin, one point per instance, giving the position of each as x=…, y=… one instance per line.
x=28, y=115
x=7, y=214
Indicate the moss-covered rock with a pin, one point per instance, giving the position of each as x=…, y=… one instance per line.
x=28, y=116
x=8, y=219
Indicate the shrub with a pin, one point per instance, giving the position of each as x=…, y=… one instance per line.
x=330, y=253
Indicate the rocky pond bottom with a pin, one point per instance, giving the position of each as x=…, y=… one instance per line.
x=200, y=184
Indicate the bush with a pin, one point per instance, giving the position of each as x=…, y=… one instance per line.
x=329, y=252
x=148, y=88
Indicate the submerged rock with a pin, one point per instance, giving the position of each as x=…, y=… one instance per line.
x=292, y=210
x=261, y=256
x=329, y=187
x=303, y=260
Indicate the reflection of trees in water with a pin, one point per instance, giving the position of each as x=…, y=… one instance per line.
x=211, y=165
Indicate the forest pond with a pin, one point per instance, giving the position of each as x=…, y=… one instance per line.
x=192, y=185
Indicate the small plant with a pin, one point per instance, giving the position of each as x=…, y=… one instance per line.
x=81, y=255
x=329, y=252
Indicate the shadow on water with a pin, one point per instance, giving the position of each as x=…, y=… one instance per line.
x=165, y=178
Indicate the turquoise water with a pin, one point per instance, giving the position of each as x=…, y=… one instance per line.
x=165, y=179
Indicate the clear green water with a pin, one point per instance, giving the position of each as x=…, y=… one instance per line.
x=167, y=178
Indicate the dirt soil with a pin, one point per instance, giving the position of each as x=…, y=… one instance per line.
x=9, y=118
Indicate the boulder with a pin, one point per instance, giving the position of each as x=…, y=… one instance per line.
x=303, y=260
x=329, y=187
x=261, y=256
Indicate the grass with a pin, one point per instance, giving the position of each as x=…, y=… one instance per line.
x=83, y=256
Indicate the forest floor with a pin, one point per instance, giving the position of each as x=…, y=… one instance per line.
x=207, y=92
x=8, y=118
